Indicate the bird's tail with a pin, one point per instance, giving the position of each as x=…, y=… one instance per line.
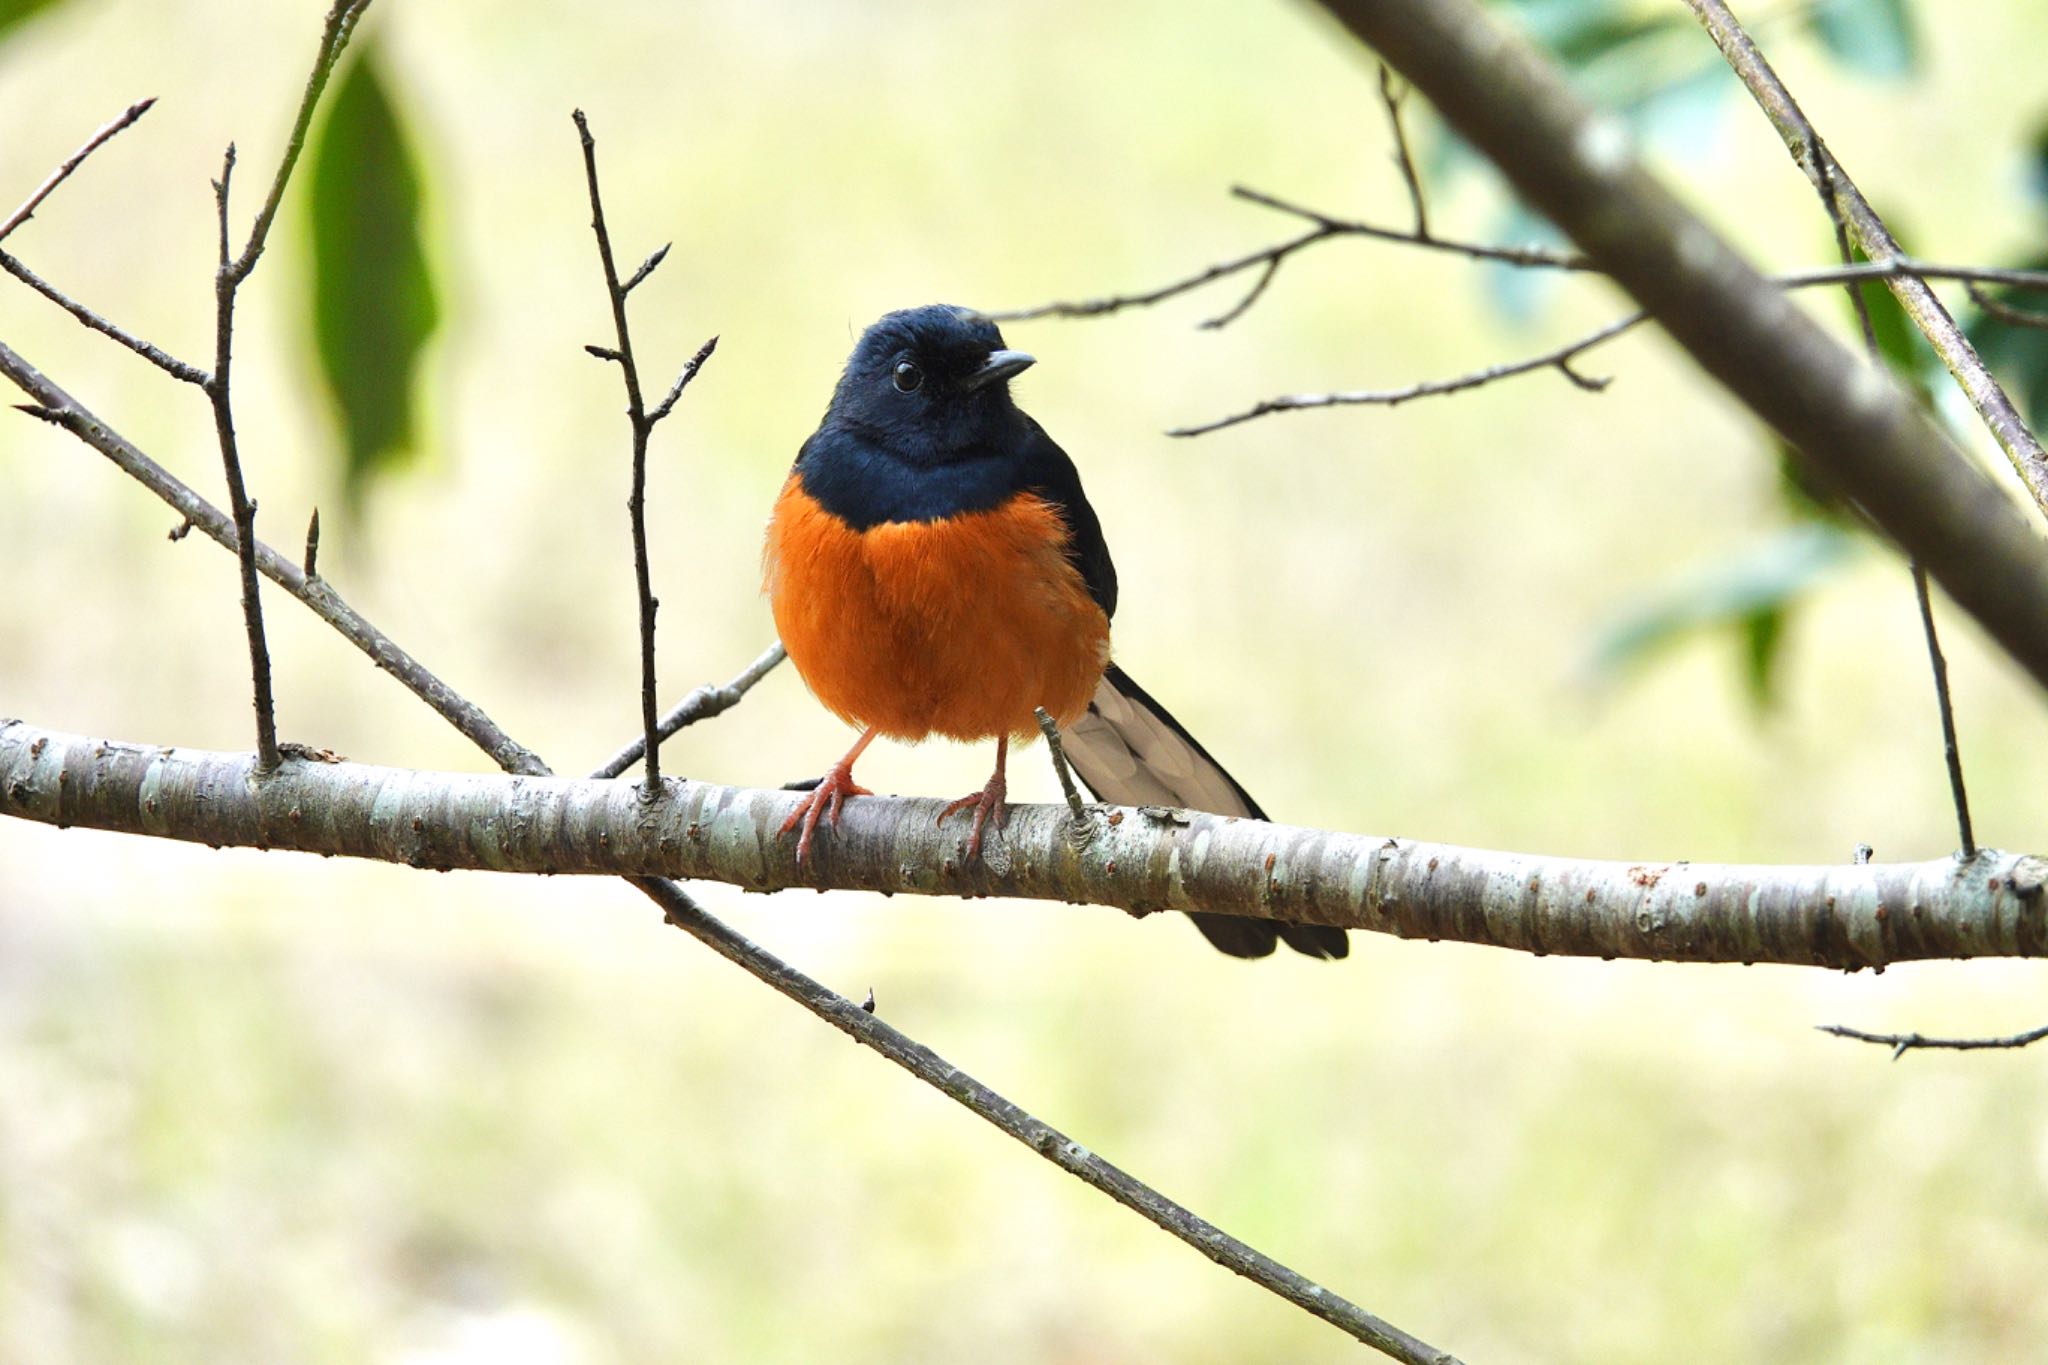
x=1131, y=751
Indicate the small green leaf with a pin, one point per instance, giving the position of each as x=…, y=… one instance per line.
x=1752, y=592
x=13, y=12
x=2017, y=354
x=1875, y=37
x=373, y=295
x=1763, y=630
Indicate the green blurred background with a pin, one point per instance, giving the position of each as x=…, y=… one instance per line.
x=260, y=1108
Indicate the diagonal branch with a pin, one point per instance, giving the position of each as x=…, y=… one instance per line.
x=163, y=360
x=1141, y=860
x=57, y=177
x=1919, y=301
x=702, y=704
x=1855, y=428
x=57, y=406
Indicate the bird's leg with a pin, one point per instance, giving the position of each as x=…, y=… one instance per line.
x=827, y=797
x=988, y=802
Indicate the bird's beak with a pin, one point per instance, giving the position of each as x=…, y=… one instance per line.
x=999, y=366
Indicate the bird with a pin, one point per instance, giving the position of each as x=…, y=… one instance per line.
x=934, y=568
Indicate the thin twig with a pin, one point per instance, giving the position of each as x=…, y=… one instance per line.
x=240, y=505
x=73, y=162
x=647, y=266
x=1951, y=755
x=1959, y=795
x=1902, y=1043
x=2005, y=312
x=1559, y=359
x=55, y=405
x=1391, y=100
x=701, y=704
x=675, y=391
x=163, y=360
x=642, y=426
x=1268, y=260
x=1982, y=388
x=334, y=36
x=1060, y=766
x=229, y=274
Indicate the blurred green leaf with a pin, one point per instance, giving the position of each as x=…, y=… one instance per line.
x=2016, y=353
x=1762, y=632
x=1752, y=592
x=374, y=300
x=13, y=12
x=2036, y=174
x=1875, y=37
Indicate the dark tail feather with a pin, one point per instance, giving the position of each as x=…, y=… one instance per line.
x=1130, y=750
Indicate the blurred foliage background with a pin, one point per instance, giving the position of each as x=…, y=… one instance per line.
x=261, y=1108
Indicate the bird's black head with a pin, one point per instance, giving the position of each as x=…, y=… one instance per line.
x=931, y=385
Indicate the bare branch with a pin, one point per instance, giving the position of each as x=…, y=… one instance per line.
x=1558, y=359
x=1921, y=304
x=702, y=704
x=1830, y=198
x=642, y=426
x=860, y=1023
x=73, y=162
x=1391, y=100
x=334, y=35
x=2005, y=312
x=163, y=360
x=647, y=267
x=1269, y=259
x=675, y=391
x=1902, y=1043
x=65, y=411
x=240, y=504
x=1845, y=916
x=1857, y=430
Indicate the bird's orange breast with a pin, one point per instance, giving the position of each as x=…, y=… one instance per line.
x=957, y=627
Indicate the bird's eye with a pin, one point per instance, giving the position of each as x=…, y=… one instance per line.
x=908, y=377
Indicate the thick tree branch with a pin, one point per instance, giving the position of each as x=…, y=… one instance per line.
x=1856, y=429
x=1919, y=301
x=1139, y=860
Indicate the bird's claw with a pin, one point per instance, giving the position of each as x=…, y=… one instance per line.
x=827, y=798
x=988, y=808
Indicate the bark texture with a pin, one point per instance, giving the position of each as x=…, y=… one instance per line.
x=1137, y=859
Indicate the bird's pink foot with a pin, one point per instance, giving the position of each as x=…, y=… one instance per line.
x=988, y=808
x=826, y=798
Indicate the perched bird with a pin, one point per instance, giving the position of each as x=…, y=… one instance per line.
x=935, y=569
